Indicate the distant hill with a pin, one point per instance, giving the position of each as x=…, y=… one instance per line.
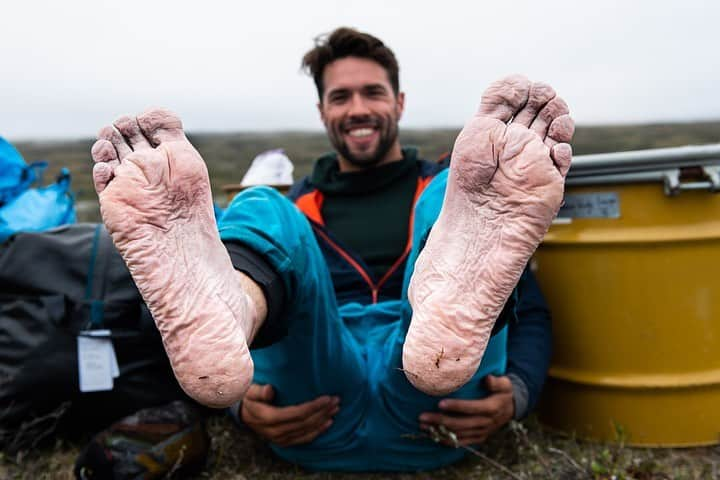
x=229, y=154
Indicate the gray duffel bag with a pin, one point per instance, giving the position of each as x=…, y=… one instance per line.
x=53, y=286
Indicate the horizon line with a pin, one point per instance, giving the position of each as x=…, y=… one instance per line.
x=317, y=131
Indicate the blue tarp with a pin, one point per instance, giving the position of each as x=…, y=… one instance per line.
x=15, y=175
x=31, y=209
x=39, y=209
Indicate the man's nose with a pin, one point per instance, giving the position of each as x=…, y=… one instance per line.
x=358, y=106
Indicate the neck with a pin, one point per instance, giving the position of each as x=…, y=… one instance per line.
x=393, y=155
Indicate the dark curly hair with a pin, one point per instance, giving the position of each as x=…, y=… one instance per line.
x=347, y=42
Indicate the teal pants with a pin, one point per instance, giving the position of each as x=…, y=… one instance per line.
x=353, y=351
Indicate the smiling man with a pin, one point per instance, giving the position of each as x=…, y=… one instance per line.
x=360, y=110
x=389, y=298
x=360, y=200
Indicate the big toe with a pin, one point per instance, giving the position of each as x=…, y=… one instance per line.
x=504, y=98
x=161, y=125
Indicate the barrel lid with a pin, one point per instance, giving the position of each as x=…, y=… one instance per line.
x=693, y=167
x=657, y=159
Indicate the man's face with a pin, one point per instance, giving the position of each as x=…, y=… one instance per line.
x=360, y=112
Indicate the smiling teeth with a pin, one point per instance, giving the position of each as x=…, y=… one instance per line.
x=361, y=132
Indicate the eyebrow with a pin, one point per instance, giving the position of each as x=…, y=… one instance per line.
x=364, y=88
x=375, y=86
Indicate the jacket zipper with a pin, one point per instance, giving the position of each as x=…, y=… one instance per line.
x=375, y=287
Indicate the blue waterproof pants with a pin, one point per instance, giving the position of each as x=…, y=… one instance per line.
x=353, y=351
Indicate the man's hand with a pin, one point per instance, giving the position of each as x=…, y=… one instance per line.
x=473, y=421
x=286, y=426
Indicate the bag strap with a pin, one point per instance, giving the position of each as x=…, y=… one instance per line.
x=97, y=273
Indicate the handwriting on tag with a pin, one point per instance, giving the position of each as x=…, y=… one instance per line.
x=97, y=363
x=591, y=205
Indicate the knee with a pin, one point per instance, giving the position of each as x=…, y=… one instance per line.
x=268, y=223
x=257, y=203
x=259, y=193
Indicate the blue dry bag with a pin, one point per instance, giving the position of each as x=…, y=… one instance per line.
x=38, y=209
x=15, y=175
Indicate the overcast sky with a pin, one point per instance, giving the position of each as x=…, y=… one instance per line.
x=69, y=67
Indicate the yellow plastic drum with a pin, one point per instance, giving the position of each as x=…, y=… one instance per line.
x=631, y=277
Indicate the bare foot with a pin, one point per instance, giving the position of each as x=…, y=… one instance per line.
x=156, y=202
x=505, y=186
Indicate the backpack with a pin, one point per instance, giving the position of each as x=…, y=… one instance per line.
x=53, y=285
x=169, y=441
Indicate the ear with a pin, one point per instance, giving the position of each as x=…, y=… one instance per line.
x=400, y=104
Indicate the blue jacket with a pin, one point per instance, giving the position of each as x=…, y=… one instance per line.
x=529, y=335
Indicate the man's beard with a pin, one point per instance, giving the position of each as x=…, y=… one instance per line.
x=388, y=129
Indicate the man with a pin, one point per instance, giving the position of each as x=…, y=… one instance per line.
x=359, y=190
x=344, y=353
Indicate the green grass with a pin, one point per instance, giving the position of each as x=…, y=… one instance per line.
x=523, y=450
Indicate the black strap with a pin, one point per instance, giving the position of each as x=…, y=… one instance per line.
x=256, y=267
x=508, y=313
x=97, y=273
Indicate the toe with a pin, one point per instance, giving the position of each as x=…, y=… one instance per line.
x=552, y=110
x=113, y=136
x=130, y=130
x=106, y=160
x=561, y=130
x=159, y=125
x=540, y=94
x=104, y=151
x=102, y=174
x=562, y=156
x=504, y=98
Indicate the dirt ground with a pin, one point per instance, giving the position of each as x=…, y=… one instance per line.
x=523, y=450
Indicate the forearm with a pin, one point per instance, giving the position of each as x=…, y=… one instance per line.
x=520, y=396
x=529, y=345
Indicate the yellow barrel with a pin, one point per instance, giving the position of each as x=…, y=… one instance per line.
x=635, y=297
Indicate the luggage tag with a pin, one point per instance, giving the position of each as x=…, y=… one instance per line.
x=97, y=362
